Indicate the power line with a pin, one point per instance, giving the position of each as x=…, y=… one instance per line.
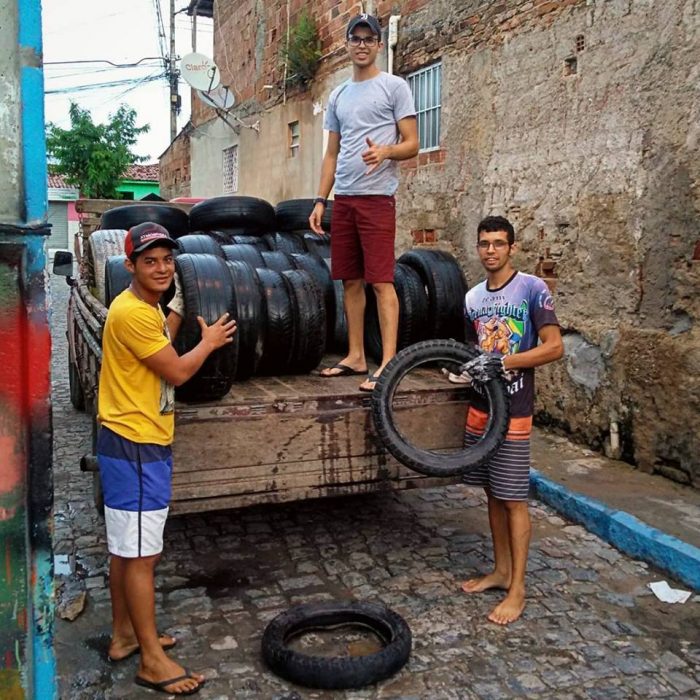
x=104, y=60
x=105, y=85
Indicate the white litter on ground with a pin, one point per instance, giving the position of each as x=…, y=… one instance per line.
x=666, y=594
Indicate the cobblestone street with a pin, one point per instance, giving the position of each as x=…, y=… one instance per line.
x=592, y=628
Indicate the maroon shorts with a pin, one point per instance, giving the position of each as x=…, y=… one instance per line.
x=363, y=229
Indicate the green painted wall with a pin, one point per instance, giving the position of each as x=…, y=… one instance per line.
x=140, y=188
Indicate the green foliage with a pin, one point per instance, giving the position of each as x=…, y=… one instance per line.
x=303, y=52
x=93, y=157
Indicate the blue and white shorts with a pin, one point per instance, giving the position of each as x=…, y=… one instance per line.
x=136, y=487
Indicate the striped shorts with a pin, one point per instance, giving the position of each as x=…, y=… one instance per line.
x=136, y=488
x=507, y=474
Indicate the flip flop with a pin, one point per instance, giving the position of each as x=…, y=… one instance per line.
x=374, y=378
x=161, y=685
x=345, y=371
x=135, y=651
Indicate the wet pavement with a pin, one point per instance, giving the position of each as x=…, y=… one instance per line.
x=591, y=629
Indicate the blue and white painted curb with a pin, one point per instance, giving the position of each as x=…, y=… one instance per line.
x=622, y=530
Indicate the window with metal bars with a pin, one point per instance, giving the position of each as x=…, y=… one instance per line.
x=426, y=86
x=230, y=169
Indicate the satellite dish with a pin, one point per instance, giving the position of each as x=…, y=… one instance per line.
x=200, y=72
x=218, y=98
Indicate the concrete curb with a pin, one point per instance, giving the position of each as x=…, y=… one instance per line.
x=622, y=530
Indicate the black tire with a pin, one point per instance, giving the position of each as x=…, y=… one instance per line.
x=322, y=276
x=198, y=243
x=245, y=252
x=277, y=260
x=77, y=396
x=451, y=353
x=413, y=312
x=446, y=286
x=293, y=215
x=318, y=245
x=340, y=332
x=221, y=237
x=230, y=212
x=279, y=324
x=101, y=245
x=286, y=242
x=117, y=278
x=335, y=673
x=173, y=218
x=207, y=288
x=257, y=241
x=309, y=314
x=249, y=313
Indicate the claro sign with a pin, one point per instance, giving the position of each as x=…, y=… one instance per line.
x=200, y=72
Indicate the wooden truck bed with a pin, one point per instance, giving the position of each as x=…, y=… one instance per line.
x=287, y=438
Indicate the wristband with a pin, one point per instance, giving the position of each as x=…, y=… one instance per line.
x=320, y=200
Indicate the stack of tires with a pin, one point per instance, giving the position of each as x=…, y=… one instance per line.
x=263, y=266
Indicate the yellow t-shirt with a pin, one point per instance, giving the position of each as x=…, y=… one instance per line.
x=134, y=401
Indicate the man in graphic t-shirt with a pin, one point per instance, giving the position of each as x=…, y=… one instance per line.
x=510, y=316
x=371, y=122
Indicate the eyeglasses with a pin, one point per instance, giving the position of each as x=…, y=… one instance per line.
x=498, y=245
x=368, y=41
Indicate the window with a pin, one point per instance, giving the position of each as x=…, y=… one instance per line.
x=426, y=86
x=293, y=138
x=230, y=169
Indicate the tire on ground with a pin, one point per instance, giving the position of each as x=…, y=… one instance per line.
x=413, y=312
x=322, y=276
x=277, y=260
x=173, y=218
x=449, y=353
x=279, y=324
x=198, y=243
x=334, y=673
x=101, y=245
x=293, y=215
x=207, y=289
x=249, y=313
x=446, y=286
x=245, y=252
x=309, y=314
x=250, y=214
x=117, y=278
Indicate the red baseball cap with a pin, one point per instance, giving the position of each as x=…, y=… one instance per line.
x=146, y=235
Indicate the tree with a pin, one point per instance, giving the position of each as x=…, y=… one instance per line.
x=94, y=157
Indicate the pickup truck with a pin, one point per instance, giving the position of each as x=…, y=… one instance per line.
x=272, y=438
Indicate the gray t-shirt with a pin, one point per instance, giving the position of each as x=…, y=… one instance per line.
x=369, y=108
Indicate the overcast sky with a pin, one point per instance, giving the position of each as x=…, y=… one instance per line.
x=122, y=32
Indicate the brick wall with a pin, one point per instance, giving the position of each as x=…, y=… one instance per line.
x=175, y=167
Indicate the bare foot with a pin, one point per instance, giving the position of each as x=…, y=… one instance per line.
x=510, y=609
x=492, y=580
x=166, y=669
x=120, y=649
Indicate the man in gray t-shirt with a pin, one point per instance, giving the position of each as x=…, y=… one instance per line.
x=371, y=122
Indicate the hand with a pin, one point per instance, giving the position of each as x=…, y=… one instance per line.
x=315, y=219
x=485, y=367
x=219, y=333
x=177, y=303
x=374, y=156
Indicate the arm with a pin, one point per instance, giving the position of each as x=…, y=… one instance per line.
x=407, y=147
x=550, y=348
x=177, y=369
x=330, y=162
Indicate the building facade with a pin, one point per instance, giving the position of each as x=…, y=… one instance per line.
x=577, y=119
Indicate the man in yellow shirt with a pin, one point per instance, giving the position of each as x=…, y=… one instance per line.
x=135, y=410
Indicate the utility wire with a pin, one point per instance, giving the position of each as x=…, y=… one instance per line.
x=103, y=86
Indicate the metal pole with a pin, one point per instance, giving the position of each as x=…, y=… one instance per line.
x=174, y=97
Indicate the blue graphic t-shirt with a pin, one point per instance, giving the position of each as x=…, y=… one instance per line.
x=507, y=320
